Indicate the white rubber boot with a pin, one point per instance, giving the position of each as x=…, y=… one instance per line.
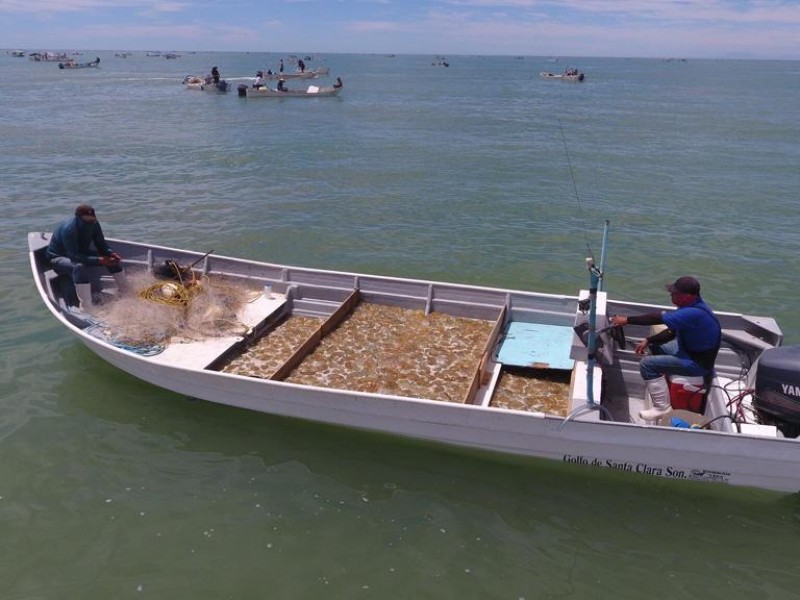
x=84, y=291
x=659, y=395
x=123, y=284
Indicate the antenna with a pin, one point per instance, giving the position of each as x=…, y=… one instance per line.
x=575, y=188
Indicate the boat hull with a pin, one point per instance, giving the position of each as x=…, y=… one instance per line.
x=310, y=74
x=561, y=77
x=266, y=92
x=679, y=454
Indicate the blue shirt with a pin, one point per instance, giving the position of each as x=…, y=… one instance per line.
x=74, y=238
x=697, y=330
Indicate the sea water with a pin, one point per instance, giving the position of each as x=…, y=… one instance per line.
x=481, y=173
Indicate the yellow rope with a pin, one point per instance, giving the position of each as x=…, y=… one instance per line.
x=170, y=293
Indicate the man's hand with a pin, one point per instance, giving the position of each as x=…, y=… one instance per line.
x=641, y=347
x=619, y=320
x=108, y=261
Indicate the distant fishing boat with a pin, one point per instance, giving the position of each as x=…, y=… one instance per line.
x=312, y=91
x=71, y=64
x=48, y=56
x=307, y=74
x=571, y=75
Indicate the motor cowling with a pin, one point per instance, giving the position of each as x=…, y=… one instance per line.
x=242, y=90
x=777, y=388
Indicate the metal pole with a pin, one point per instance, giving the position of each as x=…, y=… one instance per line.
x=603, y=254
x=595, y=284
x=594, y=281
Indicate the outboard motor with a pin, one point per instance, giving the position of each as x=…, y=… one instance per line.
x=777, y=389
x=242, y=90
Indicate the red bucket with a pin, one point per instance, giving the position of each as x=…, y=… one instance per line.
x=686, y=393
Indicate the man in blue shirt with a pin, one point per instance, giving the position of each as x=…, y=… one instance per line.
x=688, y=346
x=78, y=243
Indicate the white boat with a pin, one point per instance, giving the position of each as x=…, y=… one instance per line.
x=307, y=74
x=312, y=91
x=204, y=84
x=71, y=64
x=449, y=385
x=193, y=82
x=571, y=75
x=48, y=56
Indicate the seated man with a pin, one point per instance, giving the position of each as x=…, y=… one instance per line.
x=688, y=346
x=70, y=253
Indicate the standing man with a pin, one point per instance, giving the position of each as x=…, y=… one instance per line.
x=78, y=243
x=688, y=346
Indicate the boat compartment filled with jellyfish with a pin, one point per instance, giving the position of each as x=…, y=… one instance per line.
x=342, y=340
x=534, y=390
x=375, y=348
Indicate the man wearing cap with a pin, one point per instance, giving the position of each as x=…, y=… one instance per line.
x=688, y=346
x=78, y=243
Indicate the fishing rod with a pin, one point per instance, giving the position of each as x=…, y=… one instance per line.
x=595, y=285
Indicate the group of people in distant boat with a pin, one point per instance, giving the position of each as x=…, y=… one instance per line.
x=259, y=82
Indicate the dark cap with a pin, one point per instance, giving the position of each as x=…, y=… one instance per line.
x=685, y=285
x=84, y=209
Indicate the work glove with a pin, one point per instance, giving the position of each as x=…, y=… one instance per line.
x=108, y=261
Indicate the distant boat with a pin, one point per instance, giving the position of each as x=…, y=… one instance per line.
x=48, y=56
x=193, y=82
x=205, y=84
x=307, y=74
x=311, y=91
x=18, y=53
x=71, y=64
x=572, y=75
x=172, y=55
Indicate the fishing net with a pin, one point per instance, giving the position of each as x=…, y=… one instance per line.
x=158, y=310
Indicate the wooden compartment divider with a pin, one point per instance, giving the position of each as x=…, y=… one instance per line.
x=482, y=375
x=339, y=315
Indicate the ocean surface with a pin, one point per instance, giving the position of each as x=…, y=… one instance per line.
x=481, y=172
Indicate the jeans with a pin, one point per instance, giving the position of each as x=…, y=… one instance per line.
x=664, y=361
x=64, y=266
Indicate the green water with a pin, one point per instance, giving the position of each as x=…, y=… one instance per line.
x=110, y=488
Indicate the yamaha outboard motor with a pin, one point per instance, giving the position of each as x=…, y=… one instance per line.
x=242, y=90
x=777, y=388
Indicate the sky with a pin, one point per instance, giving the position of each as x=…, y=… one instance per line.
x=760, y=29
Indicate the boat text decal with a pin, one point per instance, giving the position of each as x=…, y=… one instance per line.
x=669, y=472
